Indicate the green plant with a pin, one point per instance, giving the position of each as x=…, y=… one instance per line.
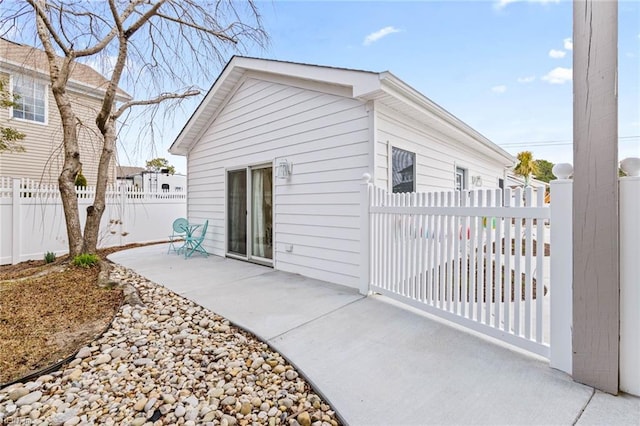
x=49, y=257
x=85, y=260
x=80, y=179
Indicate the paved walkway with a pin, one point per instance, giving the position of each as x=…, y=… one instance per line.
x=375, y=361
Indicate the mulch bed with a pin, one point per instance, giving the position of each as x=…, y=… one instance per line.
x=49, y=311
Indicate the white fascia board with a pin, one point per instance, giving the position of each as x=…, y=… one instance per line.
x=206, y=106
x=397, y=88
x=360, y=82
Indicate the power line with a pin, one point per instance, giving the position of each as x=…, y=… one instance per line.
x=558, y=142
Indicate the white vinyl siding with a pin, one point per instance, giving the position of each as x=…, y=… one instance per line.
x=316, y=210
x=437, y=155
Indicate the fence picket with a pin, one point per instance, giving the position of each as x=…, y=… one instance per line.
x=497, y=281
x=457, y=238
x=481, y=259
x=528, y=255
x=430, y=251
x=507, y=264
x=540, y=253
x=464, y=239
x=488, y=267
x=517, y=259
x=413, y=248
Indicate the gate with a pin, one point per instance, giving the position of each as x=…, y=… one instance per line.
x=477, y=258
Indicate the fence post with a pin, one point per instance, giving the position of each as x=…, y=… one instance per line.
x=123, y=202
x=365, y=234
x=16, y=226
x=629, y=282
x=561, y=272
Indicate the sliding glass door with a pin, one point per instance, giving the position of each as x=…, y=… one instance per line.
x=250, y=213
x=237, y=212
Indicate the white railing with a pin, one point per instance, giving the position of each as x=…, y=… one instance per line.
x=32, y=220
x=476, y=258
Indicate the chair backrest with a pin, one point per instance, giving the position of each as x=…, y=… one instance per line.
x=180, y=225
x=204, y=230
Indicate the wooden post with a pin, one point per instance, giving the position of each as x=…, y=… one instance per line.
x=596, y=283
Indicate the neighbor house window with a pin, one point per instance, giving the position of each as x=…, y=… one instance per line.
x=461, y=179
x=403, y=170
x=31, y=99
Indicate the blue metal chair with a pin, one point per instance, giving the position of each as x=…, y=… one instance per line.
x=180, y=228
x=194, y=243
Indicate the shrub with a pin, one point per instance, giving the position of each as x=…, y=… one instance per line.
x=49, y=257
x=80, y=179
x=85, y=260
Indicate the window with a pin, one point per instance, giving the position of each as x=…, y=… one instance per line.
x=461, y=179
x=31, y=99
x=403, y=170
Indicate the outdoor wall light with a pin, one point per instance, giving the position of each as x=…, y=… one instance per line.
x=284, y=169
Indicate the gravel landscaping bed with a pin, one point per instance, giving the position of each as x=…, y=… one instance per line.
x=168, y=362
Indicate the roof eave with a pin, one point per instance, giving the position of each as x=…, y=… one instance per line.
x=394, y=86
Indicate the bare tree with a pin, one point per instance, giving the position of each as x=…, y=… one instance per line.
x=150, y=43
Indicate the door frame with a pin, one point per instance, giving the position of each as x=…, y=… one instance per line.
x=249, y=238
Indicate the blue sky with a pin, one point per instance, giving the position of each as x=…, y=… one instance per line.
x=502, y=67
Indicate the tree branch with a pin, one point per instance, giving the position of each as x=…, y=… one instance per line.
x=98, y=47
x=45, y=20
x=143, y=19
x=219, y=34
x=158, y=99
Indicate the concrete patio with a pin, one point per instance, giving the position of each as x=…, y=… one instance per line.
x=375, y=361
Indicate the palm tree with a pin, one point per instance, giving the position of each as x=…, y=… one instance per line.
x=526, y=166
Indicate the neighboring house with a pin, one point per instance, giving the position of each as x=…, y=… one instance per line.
x=36, y=115
x=151, y=181
x=331, y=126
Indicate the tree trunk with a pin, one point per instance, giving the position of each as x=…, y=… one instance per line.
x=70, y=169
x=95, y=211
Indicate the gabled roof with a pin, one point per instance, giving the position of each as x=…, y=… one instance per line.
x=383, y=87
x=23, y=59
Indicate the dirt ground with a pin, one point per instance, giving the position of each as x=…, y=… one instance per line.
x=49, y=311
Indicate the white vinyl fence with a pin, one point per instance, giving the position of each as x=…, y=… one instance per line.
x=32, y=220
x=476, y=258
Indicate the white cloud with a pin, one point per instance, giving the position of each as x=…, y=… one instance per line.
x=568, y=44
x=558, y=75
x=501, y=4
x=556, y=54
x=499, y=89
x=375, y=36
x=527, y=79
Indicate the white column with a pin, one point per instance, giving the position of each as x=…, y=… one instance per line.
x=15, y=222
x=365, y=231
x=561, y=272
x=630, y=285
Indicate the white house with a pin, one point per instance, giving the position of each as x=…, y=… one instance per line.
x=329, y=126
